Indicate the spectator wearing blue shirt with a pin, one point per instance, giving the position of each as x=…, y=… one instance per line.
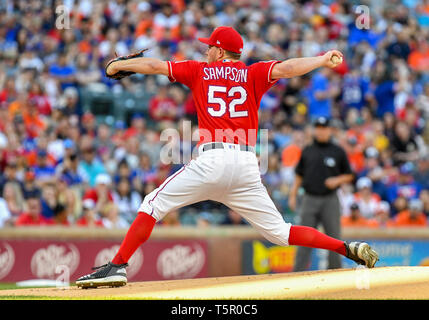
x=269, y=101
x=400, y=48
x=406, y=186
x=385, y=95
x=144, y=172
x=422, y=16
x=69, y=147
x=357, y=35
x=70, y=170
x=421, y=174
x=48, y=200
x=9, y=174
x=385, y=89
x=283, y=136
x=355, y=90
x=320, y=95
x=43, y=171
x=64, y=72
x=124, y=171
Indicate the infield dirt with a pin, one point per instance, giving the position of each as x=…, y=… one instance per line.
x=377, y=283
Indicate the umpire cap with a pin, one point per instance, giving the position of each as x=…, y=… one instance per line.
x=321, y=122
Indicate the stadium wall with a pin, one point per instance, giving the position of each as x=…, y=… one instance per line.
x=182, y=252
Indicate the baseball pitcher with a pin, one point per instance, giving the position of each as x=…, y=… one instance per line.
x=227, y=95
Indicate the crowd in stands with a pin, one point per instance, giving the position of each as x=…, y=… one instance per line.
x=59, y=165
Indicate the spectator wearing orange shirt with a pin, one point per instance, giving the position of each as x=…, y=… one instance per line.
x=413, y=217
x=355, y=219
x=291, y=155
x=145, y=19
x=165, y=20
x=16, y=106
x=33, y=121
x=418, y=59
x=357, y=128
x=355, y=153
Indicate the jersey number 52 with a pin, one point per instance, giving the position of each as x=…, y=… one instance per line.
x=221, y=109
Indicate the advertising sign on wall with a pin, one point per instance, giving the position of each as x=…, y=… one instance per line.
x=261, y=257
x=155, y=260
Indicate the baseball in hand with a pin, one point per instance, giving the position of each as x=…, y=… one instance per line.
x=336, y=60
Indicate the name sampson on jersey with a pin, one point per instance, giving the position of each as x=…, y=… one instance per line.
x=231, y=73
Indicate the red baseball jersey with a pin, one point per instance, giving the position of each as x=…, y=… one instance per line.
x=227, y=96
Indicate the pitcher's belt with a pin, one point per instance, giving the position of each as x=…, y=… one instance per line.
x=221, y=145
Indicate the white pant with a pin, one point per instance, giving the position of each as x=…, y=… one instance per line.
x=225, y=175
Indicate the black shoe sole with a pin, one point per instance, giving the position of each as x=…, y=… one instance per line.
x=95, y=283
x=92, y=285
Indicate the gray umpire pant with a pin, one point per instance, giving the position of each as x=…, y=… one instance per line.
x=317, y=210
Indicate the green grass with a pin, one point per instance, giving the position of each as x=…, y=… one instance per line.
x=9, y=286
x=27, y=298
x=13, y=286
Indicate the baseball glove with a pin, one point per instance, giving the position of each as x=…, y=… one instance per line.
x=122, y=74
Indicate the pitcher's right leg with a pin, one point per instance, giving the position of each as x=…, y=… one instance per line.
x=184, y=187
x=176, y=191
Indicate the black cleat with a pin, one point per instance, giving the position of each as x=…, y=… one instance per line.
x=111, y=275
x=361, y=253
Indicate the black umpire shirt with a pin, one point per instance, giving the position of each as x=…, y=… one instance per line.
x=318, y=162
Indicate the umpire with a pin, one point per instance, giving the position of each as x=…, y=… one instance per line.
x=322, y=168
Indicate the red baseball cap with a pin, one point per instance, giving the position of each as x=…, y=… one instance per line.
x=226, y=38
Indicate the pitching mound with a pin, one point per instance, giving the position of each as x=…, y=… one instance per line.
x=377, y=283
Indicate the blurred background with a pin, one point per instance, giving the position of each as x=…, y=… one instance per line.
x=78, y=149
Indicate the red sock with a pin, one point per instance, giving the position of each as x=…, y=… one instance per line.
x=139, y=232
x=310, y=237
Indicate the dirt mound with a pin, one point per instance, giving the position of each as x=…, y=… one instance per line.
x=377, y=283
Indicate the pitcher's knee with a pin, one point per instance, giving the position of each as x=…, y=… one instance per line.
x=148, y=206
x=279, y=235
